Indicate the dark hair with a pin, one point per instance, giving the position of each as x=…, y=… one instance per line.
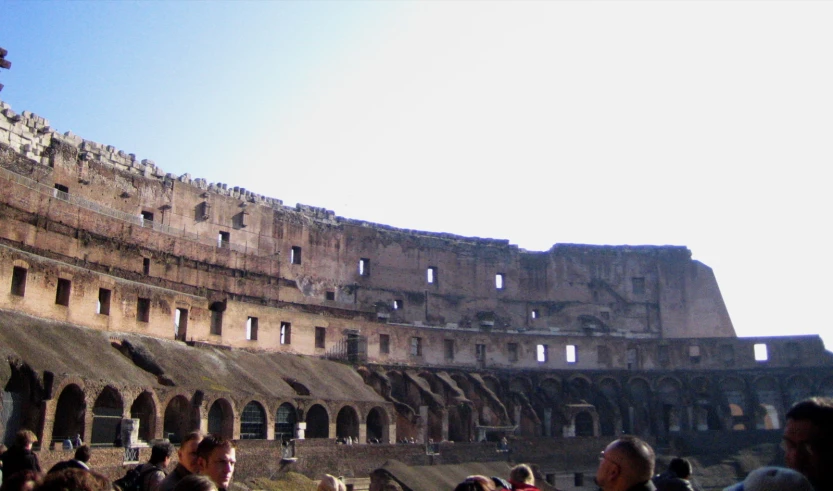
x=818, y=410
x=476, y=483
x=25, y=437
x=74, y=479
x=210, y=442
x=83, y=453
x=16, y=481
x=681, y=467
x=195, y=482
x=639, y=454
x=194, y=435
x=160, y=452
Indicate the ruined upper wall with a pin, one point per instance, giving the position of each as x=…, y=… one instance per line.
x=183, y=229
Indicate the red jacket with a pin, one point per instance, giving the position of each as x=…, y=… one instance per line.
x=520, y=485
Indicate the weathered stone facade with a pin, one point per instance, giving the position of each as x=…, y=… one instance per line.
x=449, y=337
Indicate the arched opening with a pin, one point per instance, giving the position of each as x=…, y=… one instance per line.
x=144, y=410
x=638, y=420
x=733, y=393
x=459, y=423
x=798, y=389
x=285, y=421
x=377, y=426
x=347, y=423
x=108, y=412
x=584, y=424
x=767, y=414
x=180, y=419
x=221, y=419
x=318, y=422
x=253, y=422
x=669, y=396
x=69, y=414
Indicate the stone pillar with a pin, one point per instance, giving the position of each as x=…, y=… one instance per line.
x=362, y=433
x=548, y=421
x=518, y=415
x=300, y=430
x=444, y=425
x=391, y=433
x=333, y=431
x=422, y=426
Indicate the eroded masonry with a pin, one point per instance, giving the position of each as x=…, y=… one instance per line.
x=130, y=294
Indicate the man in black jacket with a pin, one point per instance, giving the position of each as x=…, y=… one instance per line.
x=187, y=464
x=627, y=464
x=20, y=457
x=80, y=461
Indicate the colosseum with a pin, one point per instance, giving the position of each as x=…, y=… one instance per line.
x=136, y=298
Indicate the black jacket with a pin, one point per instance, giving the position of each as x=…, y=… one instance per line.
x=18, y=459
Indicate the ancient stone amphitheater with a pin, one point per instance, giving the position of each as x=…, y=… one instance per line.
x=132, y=294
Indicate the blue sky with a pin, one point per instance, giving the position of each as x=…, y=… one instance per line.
x=705, y=124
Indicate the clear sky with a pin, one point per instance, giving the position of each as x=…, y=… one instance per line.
x=706, y=124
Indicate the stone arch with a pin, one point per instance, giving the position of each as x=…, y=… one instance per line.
x=768, y=410
x=669, y=398
x=493, y=384
x=460, y=424
x=607, y=407
x=436, y=385
x=550, y=389
x=318, y=422
x=579, y=388
x=253, y=422
x=520, y=385
x=378, y=426
x=347, y=422
x=181, y=417
x=144, y=409
x=108, y=411
x=639, y=396
x=286, y=418
x=704, y=411
x=70, y=413
x=584, y=424
x=798, y=388
x=733, y=395
x=221, y=418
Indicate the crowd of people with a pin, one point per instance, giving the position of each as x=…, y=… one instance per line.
x=206, y=463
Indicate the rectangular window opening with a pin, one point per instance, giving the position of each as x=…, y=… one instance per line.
x=331, y=295
x=364, y=267
x=534, y=314
x=251, y=329
x=223, y=240
x=295, y=255
x=694, y=353
x=61, y=191
x=384, y=344
x=320, y=337
x=449, y=349
x=431, y=275
x=416, y=346
x=147, y=219
x=761, y=353
x=143, y=310
x=513, y=351
x=19, y=281
x=103, y=305
x=62, y=294
x=480, y=352
x=397, y=304
x=180, y=324
x=572, y=353
x=499, y=281
x=146, y=266
x=286, y=333
x=541, y=353
x=217, y=309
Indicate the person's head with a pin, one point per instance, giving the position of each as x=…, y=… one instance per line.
x=522, y=473
x=624, y=463
x=195, y=482
x=216, y=458
x=808, y=439
x=187, y=452
x=772, y=479
x=476, y=483
x=25, y=439
x=83, y=453
x=681, y=467
x=331, y=483
x=2, y=449
x=161, y=453
x=21, y=481
x=501, y=483
x=75, y=480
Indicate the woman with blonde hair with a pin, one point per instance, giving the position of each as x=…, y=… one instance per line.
x=331, y=483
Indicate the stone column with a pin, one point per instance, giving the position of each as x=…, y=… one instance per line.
x=444, y=425
x=422, y=426
x=362, y=433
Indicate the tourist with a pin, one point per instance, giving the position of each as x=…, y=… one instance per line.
x=216, y=458
x=521, y=477
x=808, y=441
x=772, y=479
x=627, y=464
x=77, y=442
x=331, y=483
x=676, y=478
x=20, y=456
x=79, y=461
x=187, y=464
x=153, y=472
x=195, y=482
x=21, y=481
x=74, y=479
x=476, y=483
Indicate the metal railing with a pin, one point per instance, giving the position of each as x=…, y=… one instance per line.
x=120, y=215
